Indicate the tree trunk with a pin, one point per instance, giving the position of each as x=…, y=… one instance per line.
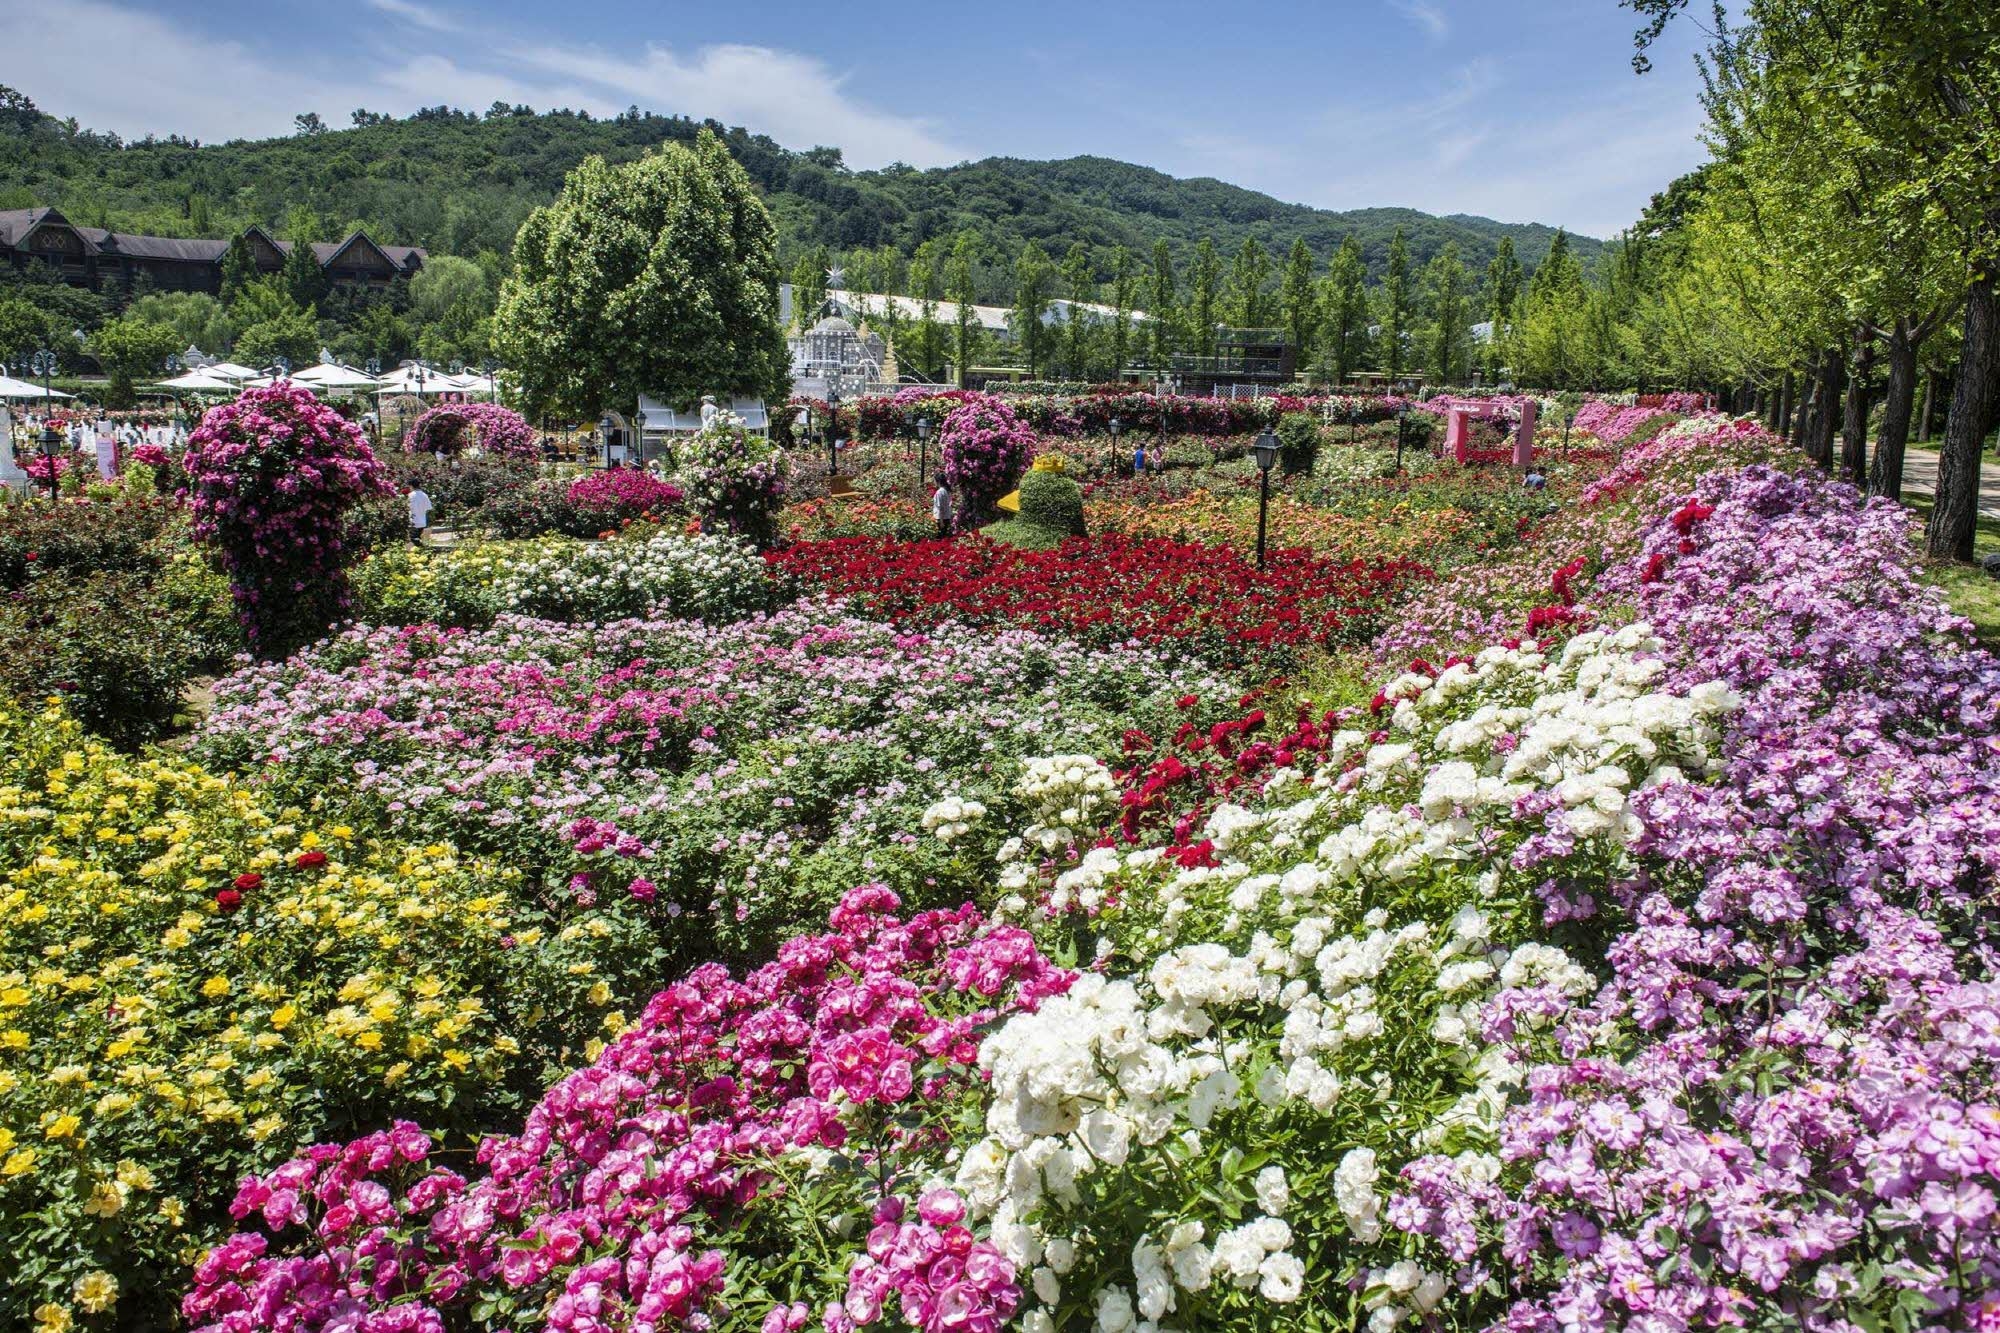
x=1955, y=517
x=1826, y=415
x=1887, y=477
x=1801, y=427
x=1854, y=413
x=1783, y=425
x=1924, y=418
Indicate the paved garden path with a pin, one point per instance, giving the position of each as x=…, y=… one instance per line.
x=1920, y=477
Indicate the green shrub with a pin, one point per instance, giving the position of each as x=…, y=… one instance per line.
x=1298, y=442
x=38, y=538
x=1188, y=453
x=1052, y=501
x=1028, y=536
x=109, y=643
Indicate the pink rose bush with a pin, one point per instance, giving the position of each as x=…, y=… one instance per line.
x=985, y=448
x=271, y=479
x=688, y=1174
x=452, y=428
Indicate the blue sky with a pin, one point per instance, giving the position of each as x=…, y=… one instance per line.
x=1524, y=111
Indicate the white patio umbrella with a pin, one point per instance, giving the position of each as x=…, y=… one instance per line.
x=229, y=370
x=333, y=375
x=13, y=388
x=199, y=381
x=406, y=380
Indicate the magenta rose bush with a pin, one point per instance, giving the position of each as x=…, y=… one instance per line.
x=985, y=448
x=271, y=480
x=452, y=428
x=742, y=1148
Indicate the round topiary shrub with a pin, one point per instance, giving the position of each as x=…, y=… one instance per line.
x=985, y=448
x=271, y=479
x=453, y=428
x=1052, y=501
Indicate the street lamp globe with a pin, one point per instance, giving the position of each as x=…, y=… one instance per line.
x=1266, y=450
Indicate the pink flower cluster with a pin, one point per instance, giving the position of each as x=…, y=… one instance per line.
x=270, y=480
x=624, y=494
x=943, y=1279
x=451, y=428
x=861, y=1040
x=1613, y=423
x=985, y=448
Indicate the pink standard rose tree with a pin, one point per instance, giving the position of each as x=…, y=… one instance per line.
x=985, y=448
x=270, y=480
x=452, y=428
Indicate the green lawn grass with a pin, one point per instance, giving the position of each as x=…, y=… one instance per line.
x=1973, y=592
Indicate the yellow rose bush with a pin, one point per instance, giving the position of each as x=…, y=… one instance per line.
x=193, y=986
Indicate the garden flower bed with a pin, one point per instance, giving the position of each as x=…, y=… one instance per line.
x=1631, y=977
x=721, y=783
x=1208, y=602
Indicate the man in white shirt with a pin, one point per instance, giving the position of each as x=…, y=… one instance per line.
x=941, y=510
x=420, y=514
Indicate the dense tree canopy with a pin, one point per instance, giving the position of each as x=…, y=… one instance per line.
x=657, y=277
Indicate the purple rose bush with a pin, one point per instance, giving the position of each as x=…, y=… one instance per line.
x=983, y=448
x=1626, y=963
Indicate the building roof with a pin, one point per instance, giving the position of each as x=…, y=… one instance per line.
x=16, y=224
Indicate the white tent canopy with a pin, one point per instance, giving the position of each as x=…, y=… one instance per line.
x=333, y=375
x=199, y=381
x=229, y=370
x=13, y=388
x=409, y=379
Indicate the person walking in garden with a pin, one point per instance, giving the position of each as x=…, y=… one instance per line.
x=420, y=514
x=941, y=510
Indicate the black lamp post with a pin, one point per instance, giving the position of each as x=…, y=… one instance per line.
x=1267, y=458
x=1117, y=429
x=374, y=369
x=605, y=426
x=832, y=432
x=1402, y=425
x=923, y=446
x=1353, y=420
x=491, y=368
x=43, y=363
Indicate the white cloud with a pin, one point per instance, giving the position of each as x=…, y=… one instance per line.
x=793, y=98
x=120, y=68
x=1426, y=16
x=421, y=16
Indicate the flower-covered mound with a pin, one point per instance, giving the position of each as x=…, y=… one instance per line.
x=743, y=775
x=1636, y=976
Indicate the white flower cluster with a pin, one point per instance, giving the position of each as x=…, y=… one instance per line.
x=696, y=577
x=952, y=817
x=1271, y=984
x=1068, y=797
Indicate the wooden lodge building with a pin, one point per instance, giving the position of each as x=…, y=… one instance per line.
x=111, y=260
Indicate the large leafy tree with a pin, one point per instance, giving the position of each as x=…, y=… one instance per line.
x=1249, y=283
x=1449, y=304
x=1204, y=291
x=1898, y=99
x=1124, y=291
x=129, y=348
x=657, y=277
x=1079, y=285
x=1346, y=306
x=1299, y=299
x=1396, y=305
x=960, y=291
x=1033, y=277
x=1165, y=300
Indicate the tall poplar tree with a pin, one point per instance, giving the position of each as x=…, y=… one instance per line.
x=1300, y=300
x=1396, y=303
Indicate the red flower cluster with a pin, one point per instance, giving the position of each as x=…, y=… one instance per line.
x=1207, y=600
x=1172, y=785
x=308, y=860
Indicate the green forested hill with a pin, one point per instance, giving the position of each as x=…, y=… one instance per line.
x=461, y=183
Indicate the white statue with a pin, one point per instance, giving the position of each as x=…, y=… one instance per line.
x=708, y=411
